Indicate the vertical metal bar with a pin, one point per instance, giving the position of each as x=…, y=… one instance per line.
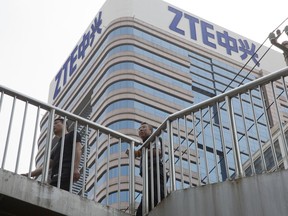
x=285, y=87
x=285, y=141
x=214, y=143
x=119, y=172
x=196, y=150
x=21, y=136
x=96, y=168
x=48, y=146
x=34, y=141
x=246, y=136
x=145, y=198
x=180, y=154
x=223, y=141
x=85, y=160
x=151, y=192
x=108, y=171
x=1, y=100
x=61, y=153
x=73, y=155
x=268, y=126
x=264, y=167
x=204, y=146
x=235, y=145
x=280, y=124
x=158, y=168
x=164, y=163
x=132, y=179
x=188, y=152
x=8, y=133
x=171, y=157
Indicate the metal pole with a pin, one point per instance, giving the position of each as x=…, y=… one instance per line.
x=235, y=145
x=132, y=179
x=48, y=147
x=171, y=157
x=73, y=156
x=96, y=168
x=61, y=153
x=21, y=136
x=145, y=193
x=85, y=159
x=34, y=141
x=119, y=172
x=8, y=133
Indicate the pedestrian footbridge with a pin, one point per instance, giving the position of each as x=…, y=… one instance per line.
x=263, y=195
x=227, y=155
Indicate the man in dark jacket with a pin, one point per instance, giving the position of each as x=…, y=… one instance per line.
x=67, y=157
x=144, y=132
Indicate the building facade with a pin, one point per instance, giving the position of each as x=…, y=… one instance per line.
x=142, y=61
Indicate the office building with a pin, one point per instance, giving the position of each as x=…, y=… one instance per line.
x=143, y=60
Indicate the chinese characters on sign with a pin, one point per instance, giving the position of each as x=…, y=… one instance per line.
x=79, y=52
x=213, y=38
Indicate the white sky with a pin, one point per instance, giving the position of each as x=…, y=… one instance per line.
x=36, y=37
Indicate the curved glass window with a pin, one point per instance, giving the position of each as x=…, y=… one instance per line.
x=124, y=124
x=136, y=85
x=113, y=197
x=131, y=104
x=123, y=31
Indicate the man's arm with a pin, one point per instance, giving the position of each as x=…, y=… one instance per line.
x=137, y=153
x=76, y=174
x=38, y=171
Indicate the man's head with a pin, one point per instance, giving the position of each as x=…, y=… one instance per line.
x=58, y=126
x=145, y=130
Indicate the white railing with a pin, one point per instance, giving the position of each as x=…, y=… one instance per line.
x=239, y=133
x=19, y=130
x=236, y=134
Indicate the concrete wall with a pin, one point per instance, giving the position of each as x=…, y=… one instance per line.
x=22, y=196
x=261, y=195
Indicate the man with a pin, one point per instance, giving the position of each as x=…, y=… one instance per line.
x=144, y=132
x=67, y=157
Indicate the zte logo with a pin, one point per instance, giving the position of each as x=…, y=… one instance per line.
x=77, y=55
x=210, y=37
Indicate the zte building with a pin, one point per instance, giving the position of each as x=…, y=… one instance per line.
x=142, y=61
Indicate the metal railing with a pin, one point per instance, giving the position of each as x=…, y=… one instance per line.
x=242, y=132
x=239, y=133
x=19, y=130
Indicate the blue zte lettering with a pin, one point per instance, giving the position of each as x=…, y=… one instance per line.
x=79, y=52
x=206, y=35
x=245, y=48
x=83, y=45
x=227, y=42
x=96, y=27
x=73, y=59
x=57, y=87
x=210, y=37
x=192, y=24
x=65, y=70
x=174, y=24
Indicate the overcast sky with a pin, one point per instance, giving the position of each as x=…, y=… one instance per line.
x=37, y=36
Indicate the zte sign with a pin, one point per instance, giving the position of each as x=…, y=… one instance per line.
x=212, y=38
x=77, y=55
x=180, y=23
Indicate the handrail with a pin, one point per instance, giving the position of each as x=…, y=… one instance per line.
x=71, y=116
x=218, y=98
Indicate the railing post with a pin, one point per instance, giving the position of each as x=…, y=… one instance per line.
x=8, y=134
x=235, y=144
x=145, y=191
x=48, y=147
x=171, y=156
x=132, y=179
